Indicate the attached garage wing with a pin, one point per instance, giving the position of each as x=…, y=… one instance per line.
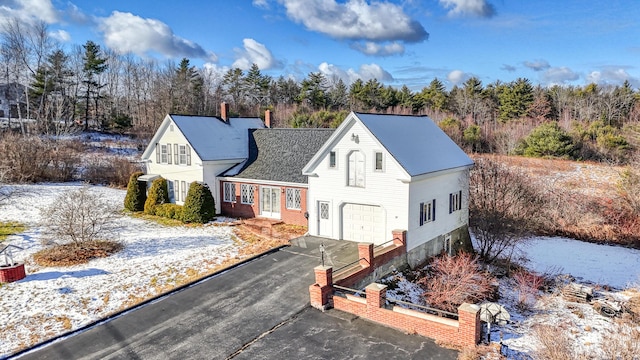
x=363, y=223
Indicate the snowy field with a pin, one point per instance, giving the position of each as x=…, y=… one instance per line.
x=54, y=300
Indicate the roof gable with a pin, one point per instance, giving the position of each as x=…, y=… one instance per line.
x=417, y=144
x=280, y=154
x=211, y=137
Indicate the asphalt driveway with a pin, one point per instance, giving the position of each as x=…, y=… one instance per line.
x=258, y=310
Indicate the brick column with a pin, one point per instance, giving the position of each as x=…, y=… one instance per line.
x=399, y=237
x=469, y=326
x=320, y=292
x=365, y=254
x=376, y=295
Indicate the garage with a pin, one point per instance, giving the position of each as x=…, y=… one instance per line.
x=363, y=223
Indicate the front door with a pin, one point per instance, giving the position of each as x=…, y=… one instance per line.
x=324, y=219
x=270, y=202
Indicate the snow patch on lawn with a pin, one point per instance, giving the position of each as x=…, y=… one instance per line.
x=53, y=300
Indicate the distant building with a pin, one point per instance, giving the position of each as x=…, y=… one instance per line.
x=12, y=95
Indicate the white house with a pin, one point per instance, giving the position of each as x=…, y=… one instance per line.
x=197, y=148
x=377, y=173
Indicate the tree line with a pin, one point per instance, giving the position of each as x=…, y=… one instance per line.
x=91, y=87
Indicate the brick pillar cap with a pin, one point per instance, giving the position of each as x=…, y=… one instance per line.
x=323, y=268
x=398, y=230
x=376, y=287
x=470, y=308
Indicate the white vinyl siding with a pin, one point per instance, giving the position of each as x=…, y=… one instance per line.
x=229, y=192
x=246, y=194
x=294, y=199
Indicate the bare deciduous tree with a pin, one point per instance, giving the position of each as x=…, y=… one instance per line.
x=80, y=216
x=504, y=208
x=454, y=280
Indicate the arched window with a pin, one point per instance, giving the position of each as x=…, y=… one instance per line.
x=356, y=169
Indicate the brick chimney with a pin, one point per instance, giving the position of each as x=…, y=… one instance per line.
x=267, y=118
x=224, y=111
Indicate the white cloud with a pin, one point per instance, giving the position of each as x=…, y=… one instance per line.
x=125, y=32
x=537, y=65
x=372, y=48
x=254, y=53
x=365, y=72
x=457, y=77
x=261, y=3
x=479, y=8
x=507, y=67
x=28, y=11
x=559, y=76
x=359, y=20
x=611, y=76
x=60, y=35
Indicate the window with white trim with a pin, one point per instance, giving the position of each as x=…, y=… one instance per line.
x=356, y=169
x=379, y=165
x=229, y=193
x=332, y=159
x=294, y=199
x=427, y=212
x=164, y=153
x=246, y=194
x=455, y=201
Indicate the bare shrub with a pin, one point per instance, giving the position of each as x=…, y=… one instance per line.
x=553, y=343
x=80, y=216
x=527, y=284
x=113, y=171
x=622, y=342
x=33, y=158
x=504, y=208
x=453, y=280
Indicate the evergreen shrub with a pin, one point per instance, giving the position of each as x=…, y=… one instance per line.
x=136, y=195
x=158, y=194
x=199, y=206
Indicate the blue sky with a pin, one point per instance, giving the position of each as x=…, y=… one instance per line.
x=568, y=42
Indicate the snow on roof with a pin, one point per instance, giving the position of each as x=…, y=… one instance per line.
x=416, y=142
x=213, y=139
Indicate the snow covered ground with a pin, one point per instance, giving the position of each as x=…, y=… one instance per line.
x=592, y=264
x=53, y=300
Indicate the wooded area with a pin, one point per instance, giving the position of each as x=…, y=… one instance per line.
x=92, y=87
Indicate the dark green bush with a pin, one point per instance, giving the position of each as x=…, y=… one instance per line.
x=170, y=211
x=158, y=194
x=548, y=140
x=199, y=206
x=136, y=194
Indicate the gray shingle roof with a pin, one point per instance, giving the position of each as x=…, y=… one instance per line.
x=280, y=154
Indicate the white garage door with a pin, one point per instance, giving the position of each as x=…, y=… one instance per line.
x=363, y=223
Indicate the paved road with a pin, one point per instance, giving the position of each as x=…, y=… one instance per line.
x=259, y=310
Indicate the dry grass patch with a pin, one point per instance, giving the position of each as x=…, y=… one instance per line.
x=76, y=253
x=10, y=228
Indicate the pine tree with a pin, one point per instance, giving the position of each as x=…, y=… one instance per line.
x=94, y=65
